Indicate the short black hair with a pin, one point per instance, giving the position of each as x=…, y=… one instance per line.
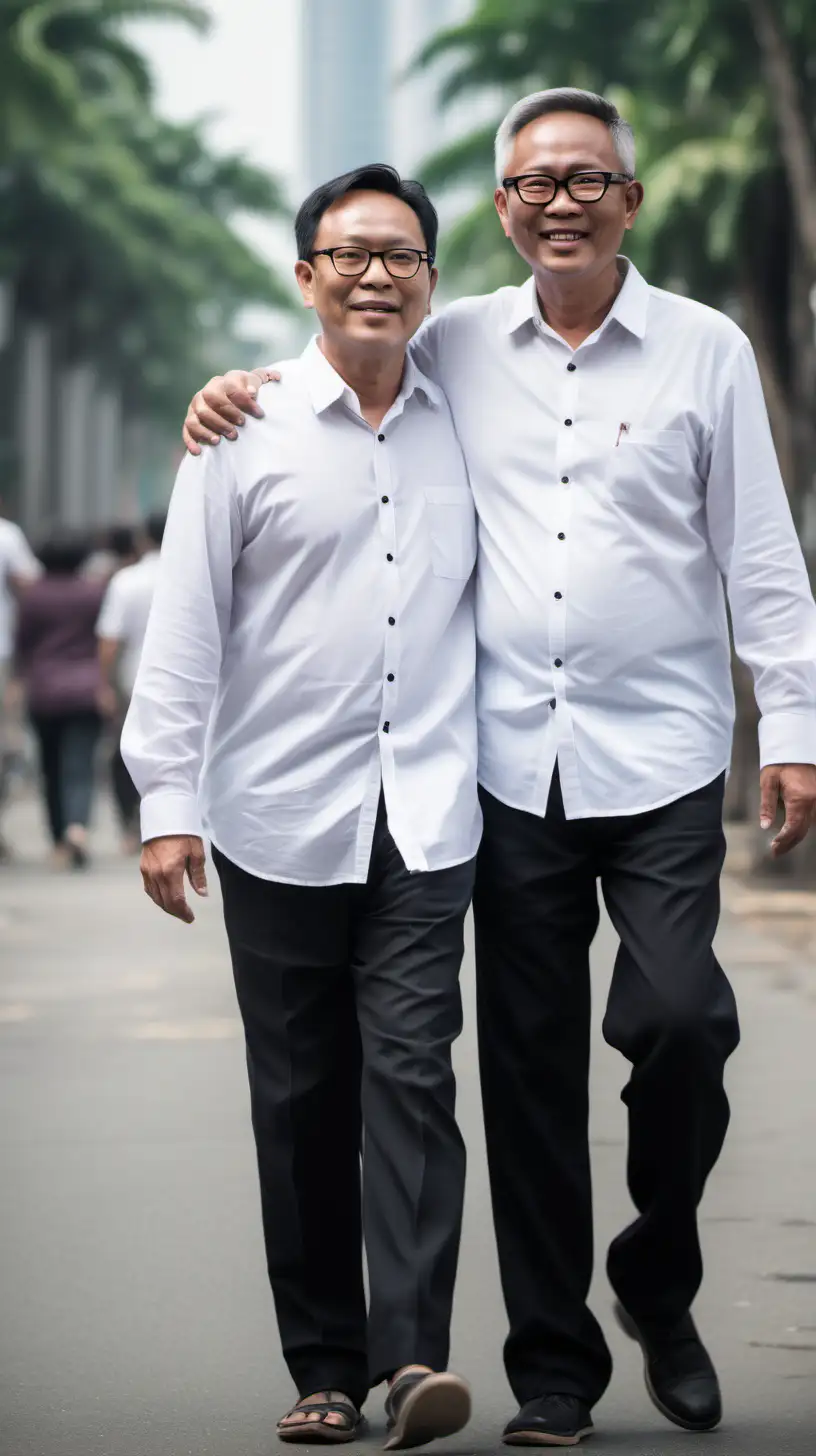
x=121, y=540
x=154, y=527
x=376, y=177
x=64, y=552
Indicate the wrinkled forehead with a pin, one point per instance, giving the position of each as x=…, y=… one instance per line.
x=561, y=143
x=372, y=219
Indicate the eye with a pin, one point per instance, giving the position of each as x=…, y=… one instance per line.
x=402, y=255
x=350, y=255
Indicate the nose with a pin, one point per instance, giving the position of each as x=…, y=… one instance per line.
x=563, y=205
x=376, y=274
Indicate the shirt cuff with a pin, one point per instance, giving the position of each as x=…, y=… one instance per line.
x=787, y=737
x=167, y=812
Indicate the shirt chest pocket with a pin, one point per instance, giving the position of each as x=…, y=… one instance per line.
x=651, y=473
x=451, y=518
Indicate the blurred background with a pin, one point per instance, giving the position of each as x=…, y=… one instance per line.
x=152, y=155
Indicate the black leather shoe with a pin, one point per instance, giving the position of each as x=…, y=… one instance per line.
x=551, y=1420
x=680, y=1377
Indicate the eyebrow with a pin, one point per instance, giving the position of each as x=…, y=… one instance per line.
x=360, y=242
x=568, y=168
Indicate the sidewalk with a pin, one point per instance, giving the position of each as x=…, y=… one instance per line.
x=136, y=1318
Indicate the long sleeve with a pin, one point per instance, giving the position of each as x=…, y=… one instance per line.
x=757, y=550
x=164, y=733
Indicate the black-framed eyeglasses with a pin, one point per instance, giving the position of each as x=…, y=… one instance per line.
x=538, y=188
x=354, y=262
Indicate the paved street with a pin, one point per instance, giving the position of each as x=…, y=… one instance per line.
x=135, y=1315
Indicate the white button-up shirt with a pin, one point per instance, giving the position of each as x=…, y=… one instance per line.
x=125, y=612
x=314, y=603
x=618, y=487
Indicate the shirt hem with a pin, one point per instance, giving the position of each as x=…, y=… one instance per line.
x=319, y=884
x=613, y=813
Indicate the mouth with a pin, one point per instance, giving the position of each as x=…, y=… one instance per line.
x=563, y=237
x=372, y=308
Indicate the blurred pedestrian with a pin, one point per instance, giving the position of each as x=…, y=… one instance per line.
x=121, y=629
x=18, y=566
x=116, y=546
x=313, y=625
x=56, y=661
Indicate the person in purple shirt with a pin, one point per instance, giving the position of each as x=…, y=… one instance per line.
x=56, y=661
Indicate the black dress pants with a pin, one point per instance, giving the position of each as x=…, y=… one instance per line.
x=350, y=1001
x=672, y=1014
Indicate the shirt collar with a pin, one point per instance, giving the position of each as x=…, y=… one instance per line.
x=326, y=386
x=630, y=307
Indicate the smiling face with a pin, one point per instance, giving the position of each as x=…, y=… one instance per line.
x=373, y=312
x=564, y=237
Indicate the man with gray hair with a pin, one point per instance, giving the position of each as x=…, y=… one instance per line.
x=625, y=479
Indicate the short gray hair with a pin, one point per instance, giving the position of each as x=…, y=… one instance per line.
x=564, y=98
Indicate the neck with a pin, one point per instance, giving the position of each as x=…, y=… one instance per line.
x=576, y=307
x=375, y=378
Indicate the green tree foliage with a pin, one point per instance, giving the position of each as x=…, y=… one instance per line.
x=115, y=226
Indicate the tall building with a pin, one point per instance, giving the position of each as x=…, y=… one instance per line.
x=345, y=83
x=360, y=101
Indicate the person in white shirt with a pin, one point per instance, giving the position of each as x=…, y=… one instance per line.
x=121, y=631
x=18, y=565
x=309, y=665
x=625, y=481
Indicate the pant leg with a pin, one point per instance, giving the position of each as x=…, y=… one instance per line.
x=536, y=914
x=407, y=955
x=48, y=733
x=672, y=1013
x=290, y=953
x=125, y=793
x=80, y=735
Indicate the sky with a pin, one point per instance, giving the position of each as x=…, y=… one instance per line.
x=244, y=77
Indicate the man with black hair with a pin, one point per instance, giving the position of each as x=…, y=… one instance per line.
x=121, y=630
x=313, y=619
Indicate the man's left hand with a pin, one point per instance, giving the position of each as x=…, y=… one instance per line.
x=795, y=785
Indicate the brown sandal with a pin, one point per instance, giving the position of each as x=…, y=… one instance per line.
x=306, y=1432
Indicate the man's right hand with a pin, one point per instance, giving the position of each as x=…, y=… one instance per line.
x=221, y=407
x=164, y=864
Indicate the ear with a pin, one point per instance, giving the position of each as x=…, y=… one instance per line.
x=304, y=273
x=500, y=199
x=634, y=200
x=434, y=281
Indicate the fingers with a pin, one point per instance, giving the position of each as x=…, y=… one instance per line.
x=769, y=796
x=238, y=391
x=197, y=874
x=798, y=817
x=166, y=889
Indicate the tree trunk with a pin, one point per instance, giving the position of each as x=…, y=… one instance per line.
x=795, y=140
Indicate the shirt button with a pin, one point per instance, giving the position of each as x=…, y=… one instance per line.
x=390, y=677
x=572, y=368
x=381, y=438
x=565, y=480
x=568, y=422
x=561, y=536
x=558, y=662
x=552, y=702
x=386, y=727
x=385, y=500
x=392, y=621
x=388, y=556
x=558, y=596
